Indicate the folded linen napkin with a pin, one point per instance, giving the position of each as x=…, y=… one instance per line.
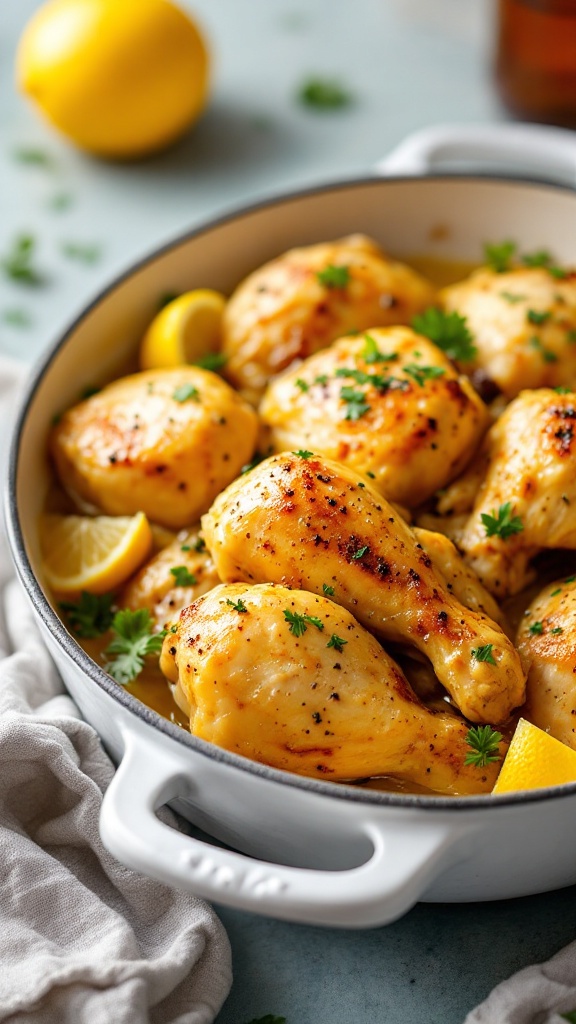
x=82, y=939
x=541, y=994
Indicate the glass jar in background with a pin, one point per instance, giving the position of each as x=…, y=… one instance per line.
x=536, y=59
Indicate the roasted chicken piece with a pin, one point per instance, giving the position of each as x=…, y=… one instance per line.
x=460, y=579
x=172, y=579
x=163, y=442
x=292, y=680
x=528, y=497
x=388, y=403
x=306, y=298
x=547, y=644
x=524, y=326
x=311, y=524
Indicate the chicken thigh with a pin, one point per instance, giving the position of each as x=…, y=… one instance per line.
x=172, y=579
x=547, y=644
x=524, y=326
x=306, y=298
x=313, y=524
x=388, y=403
x=292, y=680
x=527, y=501
x=163, y=442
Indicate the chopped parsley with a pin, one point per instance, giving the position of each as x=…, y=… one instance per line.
x=324, y=94
x=90, y=616
x=544, y=259
x=370, y=474
x=376, y=380
x=132, y=643
x=255, y=461
x=82, y=253
x=33, y=156
x=334, y=277
x=372, y=354
x=570, y=579
x=182, y=576
x=484, y=653
x=17, y=318
x=448, y=331
x=563, y=391
x=536, y=628
x=356, y=403
x=199, y=545
x=556, y=592
x=238, y=605
x=302, y=384
x=185, y=393
x=60, y=201
x=322, y=378
x=483, y=740
x=423, y=373
x=299, y=623
x=547, y=355
x=303, y=453
x=337, y=643
x=18, y=263
x=556, y=630
x=211, y=361
x=361, y=552
x=502, y=523
x=512, y=297
x=537, y=318
x=328, y=590
x=499, y=256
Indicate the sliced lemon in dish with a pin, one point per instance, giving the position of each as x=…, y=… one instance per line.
x=94, y=554
x=187, y=330
x=534, y=760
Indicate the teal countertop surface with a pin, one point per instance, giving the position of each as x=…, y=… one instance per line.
x=408, y=64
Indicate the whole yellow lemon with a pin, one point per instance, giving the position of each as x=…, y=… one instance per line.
x=120, y=78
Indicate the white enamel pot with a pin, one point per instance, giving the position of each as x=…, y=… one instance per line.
x=311, y=851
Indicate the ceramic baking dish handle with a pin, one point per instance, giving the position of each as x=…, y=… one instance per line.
x=380, y=890
x=548, y=152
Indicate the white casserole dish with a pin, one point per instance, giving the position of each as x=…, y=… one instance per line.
x=325, y=854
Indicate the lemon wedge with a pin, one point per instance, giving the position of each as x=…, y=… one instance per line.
x=534, y=760
x=185, y=331
x=94, y=554
x=119, y=78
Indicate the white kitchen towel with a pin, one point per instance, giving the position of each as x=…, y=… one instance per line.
x=82, y=939
x=540, y=994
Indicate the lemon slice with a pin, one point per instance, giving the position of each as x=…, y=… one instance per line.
x=81, y=553
x=186, y=330
x=534, y=760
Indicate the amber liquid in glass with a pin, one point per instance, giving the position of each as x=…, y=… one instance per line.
x=536, y=59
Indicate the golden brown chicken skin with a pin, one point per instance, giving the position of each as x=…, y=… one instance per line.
x=529, y=491
x=312, y=523
x=292, y=680
x=524, y=326
x=172, y=579
x=460, y=579
x=388, y=403
x=299, y=303
x=547, y=644
x=163, y=442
